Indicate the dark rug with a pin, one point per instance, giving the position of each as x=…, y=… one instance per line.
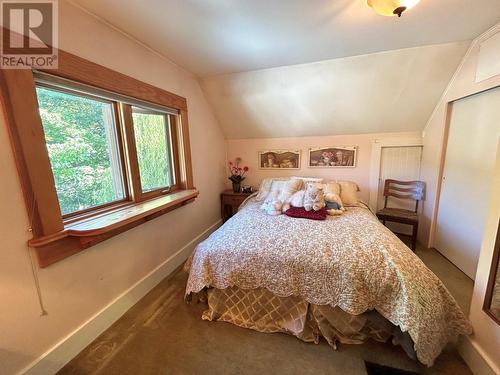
x=374, y=369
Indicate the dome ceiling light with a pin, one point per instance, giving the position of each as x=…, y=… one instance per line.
x=391, y=7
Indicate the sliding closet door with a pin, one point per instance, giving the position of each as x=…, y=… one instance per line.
x=468, y=172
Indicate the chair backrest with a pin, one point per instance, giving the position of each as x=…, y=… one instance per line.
x=412, y=190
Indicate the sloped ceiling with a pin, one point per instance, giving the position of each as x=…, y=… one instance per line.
x=210, y=37
x=360, y=72
x=390, y=91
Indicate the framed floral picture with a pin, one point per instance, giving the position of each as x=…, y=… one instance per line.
x=333, y=157
x=279, y=159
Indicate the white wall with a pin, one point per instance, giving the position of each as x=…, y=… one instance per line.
x=78, y=287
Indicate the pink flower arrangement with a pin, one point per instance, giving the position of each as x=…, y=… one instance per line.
x=327, y=154
x=237, y=172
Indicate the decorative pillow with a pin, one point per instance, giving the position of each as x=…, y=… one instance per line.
x=297, y=199
x=300, y=212
x=331, y=188
x=340, y=182
x=327, y=186
x=266, y=186
x=313, y=197
x=348, y=192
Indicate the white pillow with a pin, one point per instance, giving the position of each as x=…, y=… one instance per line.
x=348, y=192
x=265, y=187
x=287, y=189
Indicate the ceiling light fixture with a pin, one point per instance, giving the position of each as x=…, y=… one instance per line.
x=391, y=7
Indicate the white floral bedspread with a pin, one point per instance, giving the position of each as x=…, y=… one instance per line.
x=351, y=261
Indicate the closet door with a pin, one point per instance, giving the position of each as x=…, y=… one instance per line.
x=468, y=171
x=398, y=163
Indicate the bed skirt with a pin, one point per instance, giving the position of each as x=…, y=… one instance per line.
x=262, y=311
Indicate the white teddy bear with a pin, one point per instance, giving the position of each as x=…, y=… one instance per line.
x=314, y=198
x=272, y=205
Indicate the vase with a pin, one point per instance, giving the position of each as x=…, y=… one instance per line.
x=236, y=187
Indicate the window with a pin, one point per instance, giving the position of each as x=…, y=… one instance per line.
x=81, y=137
x=97, y=153
x=82, y=131
x=152, y=139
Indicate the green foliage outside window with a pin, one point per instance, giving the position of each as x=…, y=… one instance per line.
x=78, y=133
x=152, y=150
x=82, y=147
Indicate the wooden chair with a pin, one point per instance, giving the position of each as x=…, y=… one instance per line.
x=410, y=190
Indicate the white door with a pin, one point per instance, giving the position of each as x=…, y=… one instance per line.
x=398, y=163
x=468, y=173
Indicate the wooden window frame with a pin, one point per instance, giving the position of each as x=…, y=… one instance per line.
x=136, y=186
x=56, y=237
x=490, y=286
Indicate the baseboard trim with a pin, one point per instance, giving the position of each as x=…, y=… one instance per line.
x=55, y=358
x=476, y=359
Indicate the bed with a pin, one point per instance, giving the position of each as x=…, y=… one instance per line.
x=347, y=279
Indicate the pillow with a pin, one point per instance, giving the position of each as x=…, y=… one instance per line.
x=349, y=182
x=300, y=212
x=287, y=190
x=348, y=192
x=329, y=187
x=307, y=179
x=265, y=187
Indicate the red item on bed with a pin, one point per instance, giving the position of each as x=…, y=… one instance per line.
x=302, y=213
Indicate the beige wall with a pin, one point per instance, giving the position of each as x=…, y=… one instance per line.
x=486, y=339
x=248, y=150
x=78, y=287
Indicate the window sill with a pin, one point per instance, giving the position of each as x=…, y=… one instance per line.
x=79, y=235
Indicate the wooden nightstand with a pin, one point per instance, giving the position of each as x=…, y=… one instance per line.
x=229, y=203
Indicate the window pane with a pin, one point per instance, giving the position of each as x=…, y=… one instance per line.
x=81, y=140
x=152, y=140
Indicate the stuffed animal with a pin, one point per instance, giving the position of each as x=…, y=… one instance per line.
x=313, y=198
x=334, y=205
x=272, y=205
x=297, y=199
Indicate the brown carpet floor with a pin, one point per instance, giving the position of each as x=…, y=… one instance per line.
x=162, y=334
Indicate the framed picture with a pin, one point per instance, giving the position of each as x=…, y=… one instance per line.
x=279, y=159
x=332, y=157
